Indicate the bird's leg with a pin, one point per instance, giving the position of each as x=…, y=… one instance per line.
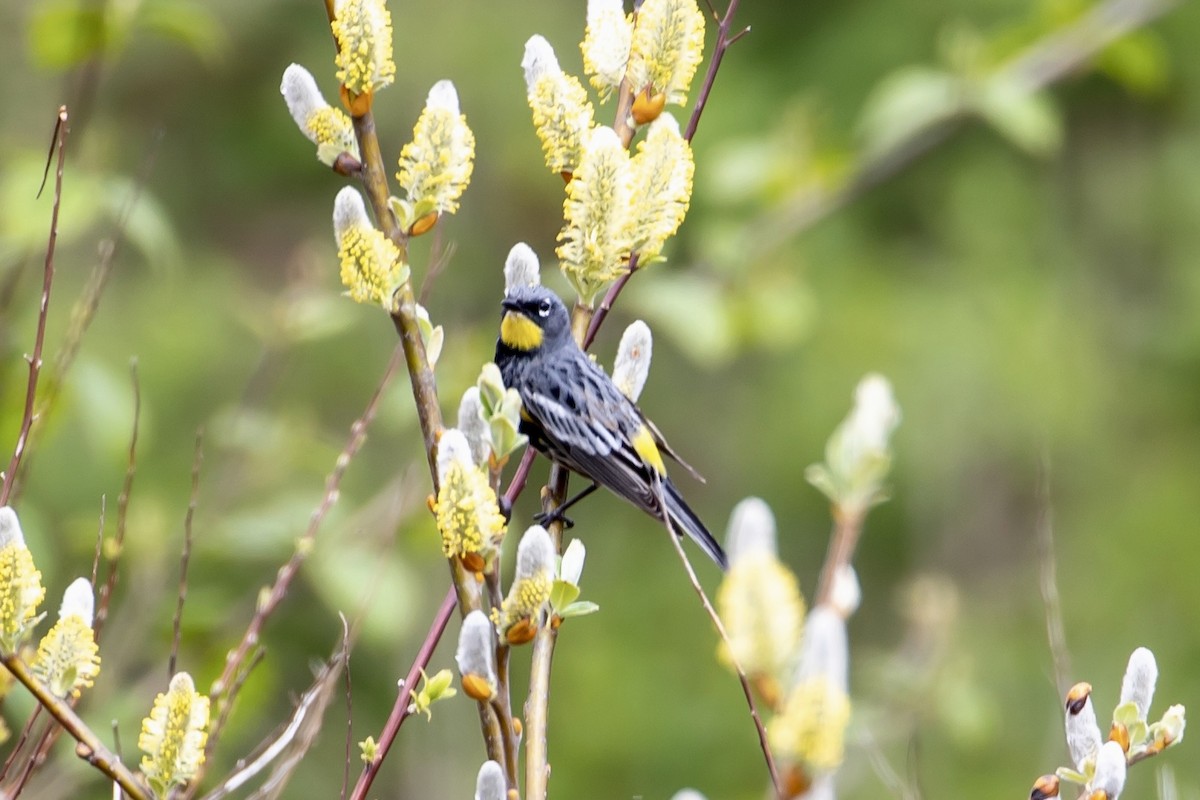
x=547, y=517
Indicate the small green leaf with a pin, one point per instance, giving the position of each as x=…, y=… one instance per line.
x=563, y=594
x=579, y=609
x=402, y=210
x=906, y=102
x=1068, y=774
x=1139, y=732
x=1029, y=120
x=819, y=476
x=491, y=389
x=1126, y=714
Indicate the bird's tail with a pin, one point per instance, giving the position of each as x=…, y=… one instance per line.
x=684, y=520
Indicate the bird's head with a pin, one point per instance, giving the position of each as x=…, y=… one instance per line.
x=533, y=317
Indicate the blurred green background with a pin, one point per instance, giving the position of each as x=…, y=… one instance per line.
x=1027, y=277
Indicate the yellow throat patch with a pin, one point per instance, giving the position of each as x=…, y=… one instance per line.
x=520, y=332
x=647, y=450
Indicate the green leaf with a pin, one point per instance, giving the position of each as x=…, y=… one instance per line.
x=1068, y=774
x=562, y=594
x=906, y=102
x=579, y=609
x=1030, y=120
x=1126, y=714
x=819, y=476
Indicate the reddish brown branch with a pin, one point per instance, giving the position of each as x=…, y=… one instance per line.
x=61, y=129
x=400, y=710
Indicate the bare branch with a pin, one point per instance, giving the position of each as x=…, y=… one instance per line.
x=186, y=555
x=61, y=129
x=89, y=747
x=404, y=697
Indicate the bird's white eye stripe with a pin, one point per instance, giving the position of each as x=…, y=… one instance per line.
x=544, y=308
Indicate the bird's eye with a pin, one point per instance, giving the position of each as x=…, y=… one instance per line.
x=544, y=308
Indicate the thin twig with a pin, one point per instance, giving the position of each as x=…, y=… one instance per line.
x=1048, y=580
x=606, y=304
x=759, y=727
x=295, y=738
x=26, y=729
x=847, y=527
x=502, y=704
x=400, y=710
x=349, y=718
x=519, y=478
x=98, y=552
x=61, y=128
x=89, y=747
x=710, y=76
x=118, y=546
x=30, y=765
x=239, y=680
x=186, y=555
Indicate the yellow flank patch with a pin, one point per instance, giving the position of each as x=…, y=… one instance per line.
x=644, y=446
x=520, y=332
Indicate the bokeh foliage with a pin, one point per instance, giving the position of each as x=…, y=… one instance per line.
x=1030, y=287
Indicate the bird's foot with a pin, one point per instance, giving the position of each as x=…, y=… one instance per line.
x=547, y=518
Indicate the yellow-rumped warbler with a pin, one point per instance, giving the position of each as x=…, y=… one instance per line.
x=574, y=413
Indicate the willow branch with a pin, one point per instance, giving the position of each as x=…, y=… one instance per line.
x=847, y=527
x=724, y=40
x=425, y=399
x=501, y=704
x=89, y=746
x=400, y=710
x=61, y=128
x=537, y=704
x=26, y=730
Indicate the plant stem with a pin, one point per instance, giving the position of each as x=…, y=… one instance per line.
x=89, y=746
x=847, y=526
x=404, y=697
x=724, y=40
x=61, y=129
x=537, y=704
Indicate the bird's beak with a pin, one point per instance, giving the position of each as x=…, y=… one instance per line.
x=509, y=304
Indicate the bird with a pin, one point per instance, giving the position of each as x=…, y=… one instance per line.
x=575, y=415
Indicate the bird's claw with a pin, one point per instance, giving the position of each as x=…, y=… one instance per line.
x=547, y=518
